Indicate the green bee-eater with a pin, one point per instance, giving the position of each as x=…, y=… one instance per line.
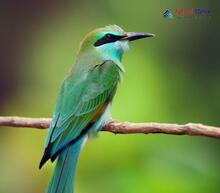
x=84, y=102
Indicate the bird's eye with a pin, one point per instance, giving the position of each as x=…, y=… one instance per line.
x=109, y=36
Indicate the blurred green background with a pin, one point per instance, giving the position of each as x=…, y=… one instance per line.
x=173, y=78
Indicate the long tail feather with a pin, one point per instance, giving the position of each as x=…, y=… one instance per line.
x=64, y=174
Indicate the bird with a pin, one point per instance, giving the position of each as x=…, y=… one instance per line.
x=84, y=102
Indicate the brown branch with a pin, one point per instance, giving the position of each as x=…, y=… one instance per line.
x=116, y=127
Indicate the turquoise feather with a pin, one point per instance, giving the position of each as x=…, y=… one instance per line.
x=84, y=102
x=65, y=170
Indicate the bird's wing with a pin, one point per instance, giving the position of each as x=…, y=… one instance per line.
x=80, y=103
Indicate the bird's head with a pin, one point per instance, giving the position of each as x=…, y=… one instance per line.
x=110, y=42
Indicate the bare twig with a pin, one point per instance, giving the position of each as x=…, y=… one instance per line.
x=192, y=129
x=39, y=123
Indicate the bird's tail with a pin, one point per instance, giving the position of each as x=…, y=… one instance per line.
x=64, y=174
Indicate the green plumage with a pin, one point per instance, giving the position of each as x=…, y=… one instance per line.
x=84, y=102
x=78, y=102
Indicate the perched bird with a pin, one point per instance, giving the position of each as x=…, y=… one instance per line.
x=84, y=102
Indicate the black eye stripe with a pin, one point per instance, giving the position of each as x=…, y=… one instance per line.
x=108, y=38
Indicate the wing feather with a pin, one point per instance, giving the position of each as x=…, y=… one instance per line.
x=80, y=100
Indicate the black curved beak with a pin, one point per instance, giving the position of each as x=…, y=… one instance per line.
x=131, y=36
